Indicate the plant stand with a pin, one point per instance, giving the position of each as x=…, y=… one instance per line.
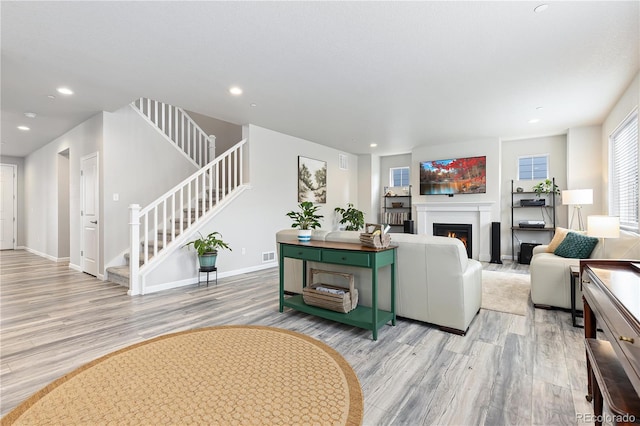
x=207, y=270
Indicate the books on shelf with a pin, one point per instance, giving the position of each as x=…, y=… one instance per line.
x=396, y=218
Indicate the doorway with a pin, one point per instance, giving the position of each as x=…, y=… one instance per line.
x=8, y=206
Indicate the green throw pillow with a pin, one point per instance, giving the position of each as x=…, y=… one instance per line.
x=576, y=246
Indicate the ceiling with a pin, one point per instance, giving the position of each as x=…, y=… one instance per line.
x=343, y=74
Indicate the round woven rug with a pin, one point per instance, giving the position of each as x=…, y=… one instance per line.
x=220, y=375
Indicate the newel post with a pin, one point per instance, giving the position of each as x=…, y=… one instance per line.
x=134, y=249
x=212, y=148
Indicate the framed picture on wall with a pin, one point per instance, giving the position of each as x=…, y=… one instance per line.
x=312, y=180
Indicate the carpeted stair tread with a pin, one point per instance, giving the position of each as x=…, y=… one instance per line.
x=118, y=275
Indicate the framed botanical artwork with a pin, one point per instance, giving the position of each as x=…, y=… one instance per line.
x=312, y=180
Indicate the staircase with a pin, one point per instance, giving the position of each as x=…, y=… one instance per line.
x=168, y=223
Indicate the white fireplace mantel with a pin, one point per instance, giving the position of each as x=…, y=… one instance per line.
x=478, y=214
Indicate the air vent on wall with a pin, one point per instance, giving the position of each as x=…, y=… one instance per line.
x=268, y=256
x=342, y=162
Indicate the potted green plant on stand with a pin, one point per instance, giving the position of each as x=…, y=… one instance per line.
x=351, y=217
x=306, y=219
x=207, y=248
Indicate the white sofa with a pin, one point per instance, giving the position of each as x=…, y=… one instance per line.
x=435, y=281
x=550, y=276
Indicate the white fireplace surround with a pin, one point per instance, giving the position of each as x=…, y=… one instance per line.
x=478, y=214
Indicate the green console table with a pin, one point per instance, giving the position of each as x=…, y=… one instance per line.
x=343, y=254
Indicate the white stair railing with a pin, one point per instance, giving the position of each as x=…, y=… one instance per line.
x=165, y=222
x=180, y=129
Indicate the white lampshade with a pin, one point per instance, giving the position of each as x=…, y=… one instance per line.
x=603, y=226
x=577, y=196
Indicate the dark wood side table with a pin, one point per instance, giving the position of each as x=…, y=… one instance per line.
x=574, y=271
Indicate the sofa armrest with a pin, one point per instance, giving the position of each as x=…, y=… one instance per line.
x=540, y=249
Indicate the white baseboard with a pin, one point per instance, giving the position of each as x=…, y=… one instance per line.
x=190, y=281
x=75, y=267
x=46, y=256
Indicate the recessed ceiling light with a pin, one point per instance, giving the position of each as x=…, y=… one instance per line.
x=373, y=145
x=51, y=97
x=540, y=108
x=534, y=120
x=541, y=8
x=64, y=91
x=235, y=90
x=24, y=128
x=30, y=114
x=253, y=105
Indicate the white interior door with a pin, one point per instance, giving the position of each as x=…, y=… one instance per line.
x=8, y=205
x=89, y=214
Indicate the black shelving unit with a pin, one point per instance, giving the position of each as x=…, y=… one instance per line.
x=548, y=211
x=396, y=208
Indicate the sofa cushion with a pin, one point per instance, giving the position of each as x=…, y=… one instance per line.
x=576, y=246
x=558, y=237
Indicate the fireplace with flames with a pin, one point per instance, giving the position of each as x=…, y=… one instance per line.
x=461, y=231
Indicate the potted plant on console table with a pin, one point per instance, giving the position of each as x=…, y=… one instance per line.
x=306, y=219
x=207, y=248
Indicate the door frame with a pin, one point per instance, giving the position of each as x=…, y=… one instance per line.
x=15, y=202
x=82, y=201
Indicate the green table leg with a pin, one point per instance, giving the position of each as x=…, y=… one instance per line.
x=393, y=290
x=374, y=300
x=281, y=280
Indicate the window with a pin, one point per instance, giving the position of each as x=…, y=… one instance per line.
x=399, y=176
x=623, y=173
x=533, y=167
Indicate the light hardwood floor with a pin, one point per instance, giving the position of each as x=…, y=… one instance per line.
x=508, y=369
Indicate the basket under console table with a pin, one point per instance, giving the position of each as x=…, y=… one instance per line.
x=343, y=254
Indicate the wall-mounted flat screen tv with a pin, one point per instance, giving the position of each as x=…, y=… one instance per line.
x=454, y=176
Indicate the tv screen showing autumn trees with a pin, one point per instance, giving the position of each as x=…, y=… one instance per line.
x=454, y=176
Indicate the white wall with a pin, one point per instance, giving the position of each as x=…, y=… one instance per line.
x=556, y=148
x=584, y=168
x=629, y=101
x=227, y=134
x=41, y=189
x=139, y=165
x=21, y=218
x=369, y=187
x=252, y=220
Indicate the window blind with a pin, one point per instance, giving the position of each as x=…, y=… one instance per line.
x=623, y=166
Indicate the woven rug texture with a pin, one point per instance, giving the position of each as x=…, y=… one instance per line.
x=505, y=292
x=224, y=375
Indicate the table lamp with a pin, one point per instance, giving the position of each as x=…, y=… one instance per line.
x=603, y=227
x=577, y=198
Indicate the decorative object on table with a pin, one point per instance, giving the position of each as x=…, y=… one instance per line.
x=207, y=248
x=577, y=198
x=351, y=217
x=312, y=180
x=377, y=236
x=306, y=219
x=329, y=296
x=600, y=226
x=247, y=363
x=547, y=186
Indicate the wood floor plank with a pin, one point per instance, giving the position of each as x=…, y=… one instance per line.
x=504, y=371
